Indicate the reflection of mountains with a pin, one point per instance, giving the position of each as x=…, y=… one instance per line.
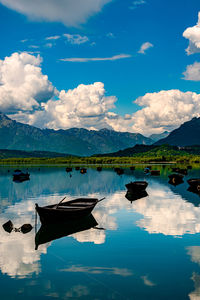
x=50, y=232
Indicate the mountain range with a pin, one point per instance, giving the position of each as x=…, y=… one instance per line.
x=74, y=141
x=83, y=142
x=185, y=139
x=157, y=137
x=187, y=134
x=148, y=150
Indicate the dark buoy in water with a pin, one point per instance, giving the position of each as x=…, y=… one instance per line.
x=8, y=226
x=26, y=228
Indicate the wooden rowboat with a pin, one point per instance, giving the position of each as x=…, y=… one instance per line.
x=175, y=179
x=20, y=176
x=194, y=183
x=119, y=171
x=136, y=186
x=83, y=170
x=155, y=172
x=132, y=168
x=183, y=171
x=65, y=211
x=99, y=169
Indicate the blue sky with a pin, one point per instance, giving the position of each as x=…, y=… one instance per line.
x=105, y=39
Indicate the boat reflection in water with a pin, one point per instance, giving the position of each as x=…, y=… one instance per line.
x=49, y=232
x=132, y=196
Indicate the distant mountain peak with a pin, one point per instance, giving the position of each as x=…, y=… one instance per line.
x=157, y=136
x=3, y=116
x=187, y=134
x=105, y=129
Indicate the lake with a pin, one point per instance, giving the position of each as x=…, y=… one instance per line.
x=144, y=249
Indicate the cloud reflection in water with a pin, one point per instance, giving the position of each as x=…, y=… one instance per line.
x=167, y=213
x=162, y=212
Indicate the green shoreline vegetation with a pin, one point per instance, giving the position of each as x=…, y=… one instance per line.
x=136, y=155
x=103, y=160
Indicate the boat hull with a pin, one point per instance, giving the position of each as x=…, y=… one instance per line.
x=136, y=186
x=194, y=183
x=155, y=172
x=175, y=179
x=21, y=178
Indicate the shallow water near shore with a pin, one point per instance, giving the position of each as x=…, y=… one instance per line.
x=145, y=249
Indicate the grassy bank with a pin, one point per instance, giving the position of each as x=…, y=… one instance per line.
x=135, y=155
x=185, y=159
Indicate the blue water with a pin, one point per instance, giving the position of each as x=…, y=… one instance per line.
x=149, y=249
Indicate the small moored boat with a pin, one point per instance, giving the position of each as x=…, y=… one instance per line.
x=194, y=183
x=176, y=170
x=64, y=211
x=136, y=186
x=68, y=169
x=119, y=171
x=20, y=176
x=175, y=179
x=183, y=171
x=189, y=167
x=146, y=170
x=155, y=172
x=99, y=169
x=83, y=170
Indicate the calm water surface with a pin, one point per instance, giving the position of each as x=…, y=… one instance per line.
x=150, y=248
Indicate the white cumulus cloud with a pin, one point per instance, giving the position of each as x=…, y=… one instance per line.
x=68, y=12
x=193, y=35
x=85, y=106
x=22, y=84
x=27, y=95
x=192, y=72
x=165, y=110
